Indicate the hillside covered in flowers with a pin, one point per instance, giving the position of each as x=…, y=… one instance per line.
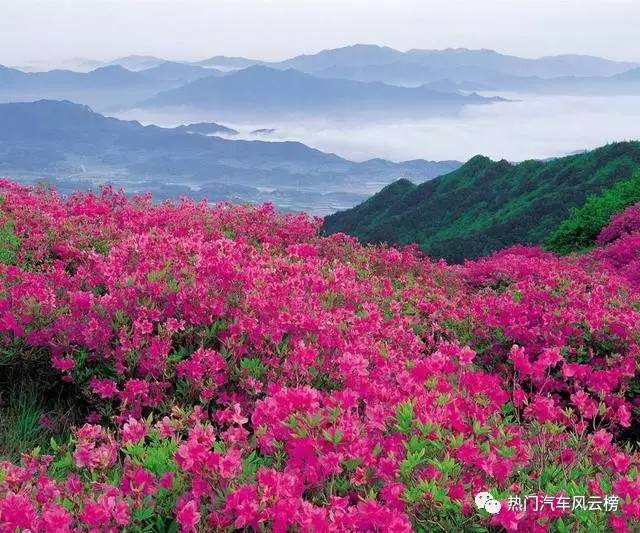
x=228, y=368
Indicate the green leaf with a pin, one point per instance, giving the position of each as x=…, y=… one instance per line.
x=561, y=526
x=143, y=513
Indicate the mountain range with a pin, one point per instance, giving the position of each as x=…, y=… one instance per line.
x=103, y=87
x=354, y=80
x=367, y=62
x=627, y=82
x=143, y=62
x=441, y=63
x=263, y=91
x=77, y=147
x=486, y=205
x=416, y=67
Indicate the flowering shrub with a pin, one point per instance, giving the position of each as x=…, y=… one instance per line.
x=240, y=372
x=620, y=245
x=626, y=222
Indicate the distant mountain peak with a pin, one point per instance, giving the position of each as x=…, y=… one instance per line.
x=364, y=46
x=227, y=62
x=53, y=104
x=111, y=69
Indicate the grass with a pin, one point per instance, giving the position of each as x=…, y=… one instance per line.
x=21, y=410
x=9, y=241
x=26, y=391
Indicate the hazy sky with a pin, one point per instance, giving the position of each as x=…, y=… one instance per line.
x=53, y=30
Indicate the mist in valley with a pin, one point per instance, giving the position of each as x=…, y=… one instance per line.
x=528, y=126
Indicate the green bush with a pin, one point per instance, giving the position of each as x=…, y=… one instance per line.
x=580, y=230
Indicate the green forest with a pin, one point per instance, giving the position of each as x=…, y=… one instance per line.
x=487, y=205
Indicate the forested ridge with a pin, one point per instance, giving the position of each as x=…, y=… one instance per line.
x=487, y=205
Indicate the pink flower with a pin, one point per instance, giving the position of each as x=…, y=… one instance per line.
x=618, y=524
x=106, y=510
x=133, y=431
x=17, y=512
x=567, y=456
x=135, y=390
x=520, y=360
x=188, y=515
x=138, y=481
x=105, y=388
x=63, y=364
x=243, y=503
x=56, y=518
x=466, y=355
x=601, y=439
x=543, y=409
x=230, y=464
x=457, y=492
x=620, y=462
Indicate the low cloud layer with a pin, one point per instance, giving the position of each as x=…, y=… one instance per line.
x=533, y=126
